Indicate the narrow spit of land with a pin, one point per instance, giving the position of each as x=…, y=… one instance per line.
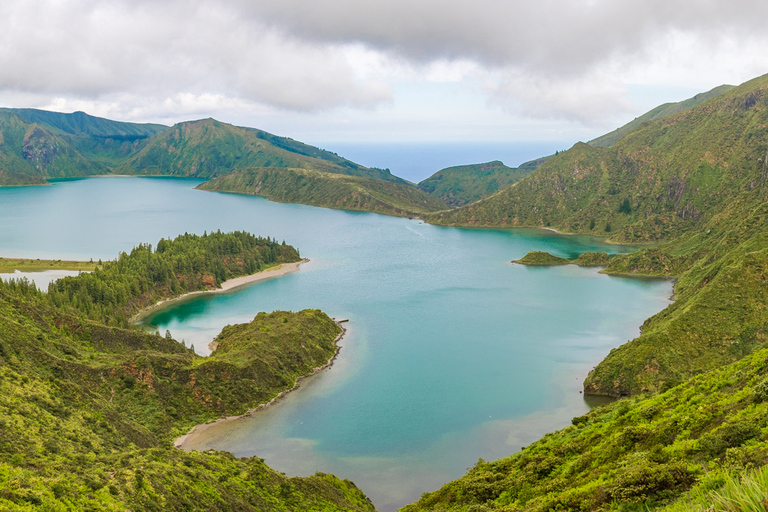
x=9, y=265
x=269, y=273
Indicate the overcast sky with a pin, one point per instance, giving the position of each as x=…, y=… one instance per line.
x=378, y=70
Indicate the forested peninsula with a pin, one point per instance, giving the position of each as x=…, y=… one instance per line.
x=91, y=406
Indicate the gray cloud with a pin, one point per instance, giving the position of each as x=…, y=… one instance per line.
x=91, y=49
x=540, y=35
x=545, y=58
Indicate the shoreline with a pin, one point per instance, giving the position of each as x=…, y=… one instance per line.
x=182, y=441
x=229, y=284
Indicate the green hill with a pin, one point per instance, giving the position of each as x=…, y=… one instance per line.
x=633, y=455
x=208, y=148
x=660, y=112
x=696, y=184
x=80, y=123
x=36, y=145
x=101, y=141
x=697, y=181
x=463, y=184
x=89, y=412
x=30, y=152
x=327, y=189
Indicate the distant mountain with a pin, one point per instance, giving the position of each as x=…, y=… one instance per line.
x=209, y=148
x=80, y=123
x=36, y=145
x=327, y=189
x=660, y=112
x=30, y=152
x=463, y=184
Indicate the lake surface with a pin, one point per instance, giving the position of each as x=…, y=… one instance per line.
x=452, y=352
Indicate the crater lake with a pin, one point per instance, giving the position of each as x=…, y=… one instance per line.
x=452, y=352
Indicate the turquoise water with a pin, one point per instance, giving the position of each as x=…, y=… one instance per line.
x=452, y=352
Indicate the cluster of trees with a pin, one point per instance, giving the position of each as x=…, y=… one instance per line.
x=121, y=288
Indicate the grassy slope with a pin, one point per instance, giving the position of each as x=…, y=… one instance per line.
x=89, y=413
x=659, y=112
x=699, y=180
x=80, y=123
x=100, y=142
x=464, y=184
x=38, y=265
x=209, y=148
x=331, y=190
x=635, y=454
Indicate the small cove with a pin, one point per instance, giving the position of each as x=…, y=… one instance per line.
x=452, y=352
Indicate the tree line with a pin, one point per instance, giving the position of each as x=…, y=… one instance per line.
x=189, y=262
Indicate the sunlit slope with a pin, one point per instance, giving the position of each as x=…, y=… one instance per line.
x=330, y=190
x=662, y=111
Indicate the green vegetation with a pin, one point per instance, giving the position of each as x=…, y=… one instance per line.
x=545, y=259
x=659, y=112
x=119, y=289
x=636, y=454
x=208, y=148
x=542, y=258
x=696, y=184
x=36, y=145
x=463, y=184
x=8, y=265
x=30, y=152
x=89, y=411
x=326, y=189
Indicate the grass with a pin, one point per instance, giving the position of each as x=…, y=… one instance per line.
x=9, y=265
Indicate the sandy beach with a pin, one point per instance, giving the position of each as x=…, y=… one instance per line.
x=230, y=284
x=184, y=441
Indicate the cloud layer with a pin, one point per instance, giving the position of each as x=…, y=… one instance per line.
x=555, y=59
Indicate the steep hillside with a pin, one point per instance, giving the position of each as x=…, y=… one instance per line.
x=30, y=152
x=208, y=148
x=697, y=180
x=102, y=141
x=330, y=190
x=635, y=454
x=665, y=178
x=80, y=123
x=660, y=112
x=88, y=412
x=463, y=184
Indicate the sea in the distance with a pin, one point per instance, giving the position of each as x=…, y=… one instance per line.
x=452, y=352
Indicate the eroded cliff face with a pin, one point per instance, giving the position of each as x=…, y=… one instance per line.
x=40, y=149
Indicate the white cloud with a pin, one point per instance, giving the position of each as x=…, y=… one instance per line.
x=546, y=59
